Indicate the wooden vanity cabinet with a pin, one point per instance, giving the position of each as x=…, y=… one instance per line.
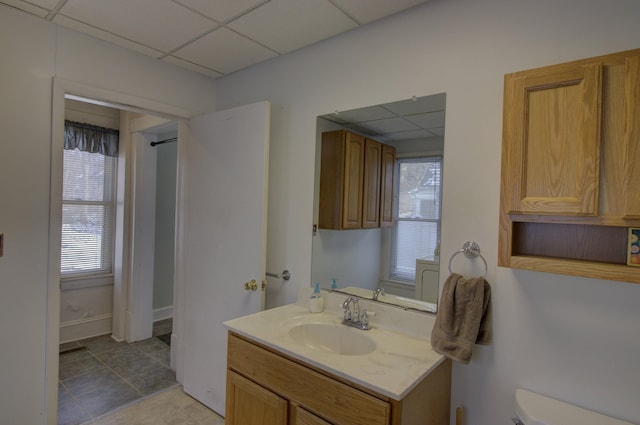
x=571, y=167
x=266, y=387
x=356, y=182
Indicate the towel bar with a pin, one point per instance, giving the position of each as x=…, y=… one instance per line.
x=286, y=275
x=470, y=249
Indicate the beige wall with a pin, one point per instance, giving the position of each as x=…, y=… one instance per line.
x=572, y=338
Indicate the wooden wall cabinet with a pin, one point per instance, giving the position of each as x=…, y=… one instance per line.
x=265, y=387
x=570, y=184
x=356, y=182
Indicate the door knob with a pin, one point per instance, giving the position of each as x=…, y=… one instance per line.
x=251, y=286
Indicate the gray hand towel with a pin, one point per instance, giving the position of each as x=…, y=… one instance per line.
x=463, y=318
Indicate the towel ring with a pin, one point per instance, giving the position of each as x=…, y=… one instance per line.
x=470, y=249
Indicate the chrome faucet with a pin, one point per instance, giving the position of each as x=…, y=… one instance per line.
x=352, y=316
x=379, y=291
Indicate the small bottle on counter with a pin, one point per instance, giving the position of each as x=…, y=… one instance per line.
x=316, y=302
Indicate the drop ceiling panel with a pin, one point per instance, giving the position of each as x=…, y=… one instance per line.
x=27, y=7
x=224, y=51
x=391, y=125
x=287, y=25
x=106, y=36
x=159, y=24
x=409, y=135
x=438, y=131
x=370, y=113
x=192, y=66
x=428, y=120
x=183, y=30
x=47, y=4
x=365, y=11
x=221, y=10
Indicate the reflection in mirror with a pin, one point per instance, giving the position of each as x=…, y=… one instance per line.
x=397, y=264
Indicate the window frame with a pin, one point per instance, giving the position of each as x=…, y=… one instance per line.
x=106, y=260
x=392, y=275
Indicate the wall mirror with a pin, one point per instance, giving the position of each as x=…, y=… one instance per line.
x=397, y=264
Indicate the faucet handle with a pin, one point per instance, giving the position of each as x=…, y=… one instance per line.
x=364, y=318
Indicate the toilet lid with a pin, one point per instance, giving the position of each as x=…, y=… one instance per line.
x=535, y=409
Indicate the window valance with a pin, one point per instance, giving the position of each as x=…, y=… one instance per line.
x=90, y=138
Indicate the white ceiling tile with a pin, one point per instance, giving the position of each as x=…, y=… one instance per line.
x=391, y=125
x=438, y=131
x=47, y=4
x=221, y=10
x=106, y=36
x=224, y=51
x=365, y=11
x=410, y=135
x=370, y=113
x=160, y=24
x=428, y=120
x=34, y=10
x=192, y=66
x=287, y=25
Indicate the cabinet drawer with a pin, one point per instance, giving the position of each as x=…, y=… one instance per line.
x=321, y=395
x=304, y=417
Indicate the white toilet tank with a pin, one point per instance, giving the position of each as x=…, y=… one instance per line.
x=535, y=409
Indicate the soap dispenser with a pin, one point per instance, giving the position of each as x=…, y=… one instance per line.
x=316, y=302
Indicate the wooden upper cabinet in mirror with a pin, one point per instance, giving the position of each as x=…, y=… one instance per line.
x=356, y=182
x=571, y=159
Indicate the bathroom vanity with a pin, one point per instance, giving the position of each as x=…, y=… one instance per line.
x=287, y=366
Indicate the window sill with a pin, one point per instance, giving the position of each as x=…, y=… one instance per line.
x=85, y=281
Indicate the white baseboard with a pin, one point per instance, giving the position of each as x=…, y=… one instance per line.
x=162, y=313
x=85, y=328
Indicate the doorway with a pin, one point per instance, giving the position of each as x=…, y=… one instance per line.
x=121, y=293
x=98, y=371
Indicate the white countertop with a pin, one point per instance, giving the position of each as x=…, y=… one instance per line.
x=399, y=362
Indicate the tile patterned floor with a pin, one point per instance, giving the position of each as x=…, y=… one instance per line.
x=171, y=407
x=98, y=375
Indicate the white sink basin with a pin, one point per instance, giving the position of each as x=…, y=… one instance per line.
x=333, y=339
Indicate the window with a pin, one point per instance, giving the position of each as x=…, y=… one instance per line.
x=416, y=230
x=87, y=213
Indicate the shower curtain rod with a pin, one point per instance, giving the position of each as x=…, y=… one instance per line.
x=174, y=139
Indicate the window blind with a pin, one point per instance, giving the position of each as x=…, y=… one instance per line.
x=416, y=230
x=87, y=212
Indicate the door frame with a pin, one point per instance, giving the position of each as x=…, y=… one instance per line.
x=62, y=87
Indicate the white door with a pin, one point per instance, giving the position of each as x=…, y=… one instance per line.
x=224, y=244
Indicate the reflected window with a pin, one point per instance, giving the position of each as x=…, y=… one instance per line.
x=416, y=230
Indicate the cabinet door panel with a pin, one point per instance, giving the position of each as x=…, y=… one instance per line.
x=552, y=124
x=353, y=175
x=632, y=137
x=250, y=404
x=371, y=189
x=387, y=185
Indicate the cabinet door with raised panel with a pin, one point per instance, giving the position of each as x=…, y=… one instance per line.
x=250, y=404
x=354, y=146
x=551, y=140
x=371, y=184
x=387, y=185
